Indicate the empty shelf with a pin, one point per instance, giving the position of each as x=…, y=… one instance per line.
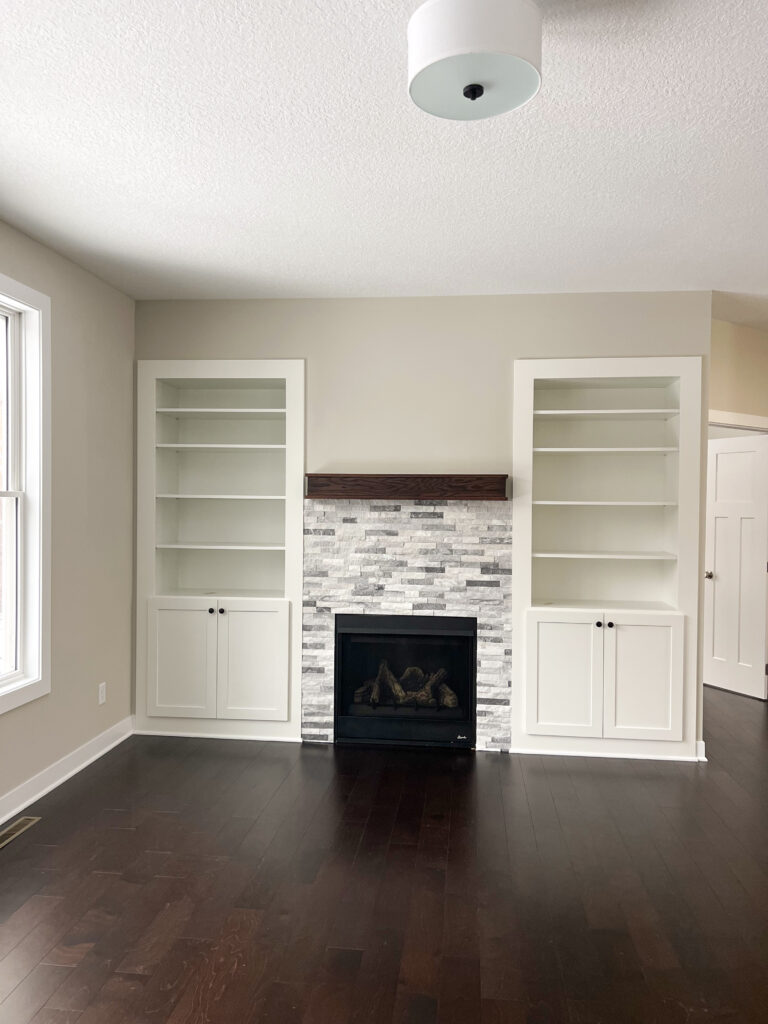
x=605, y=451
x=649, y=556
x=217, y=447
x=608, y=414
x=611, y=504
x=220, y=592
x=226, y=497
x=599, y=605
x=192, y=413
x=223, y=546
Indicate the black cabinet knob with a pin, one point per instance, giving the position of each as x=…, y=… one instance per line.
x=222, y=610
x=599, y=625
x=211, y=611
x=610, y=625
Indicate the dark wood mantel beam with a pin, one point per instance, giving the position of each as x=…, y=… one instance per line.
x=408, y=486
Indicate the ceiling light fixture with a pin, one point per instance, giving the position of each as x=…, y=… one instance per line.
x=470, y=59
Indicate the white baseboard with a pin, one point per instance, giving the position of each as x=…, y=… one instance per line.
x=701, y=750
x=52, y=776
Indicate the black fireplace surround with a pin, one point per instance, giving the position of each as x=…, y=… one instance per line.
x=405, y=679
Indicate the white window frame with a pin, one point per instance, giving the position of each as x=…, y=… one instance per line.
x=31, y=314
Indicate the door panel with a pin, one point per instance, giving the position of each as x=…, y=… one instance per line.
x=737, y=553
x=181, y=673
x=748, y=652
x=643, y=672
x=564, y=675
x=722, y=555
x=253, y=659
x=734, y=472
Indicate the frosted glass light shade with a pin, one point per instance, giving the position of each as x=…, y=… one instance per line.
x=454, y=45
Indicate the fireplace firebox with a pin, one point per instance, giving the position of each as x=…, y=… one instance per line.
x=405, y=679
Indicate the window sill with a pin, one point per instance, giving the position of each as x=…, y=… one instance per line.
x=22, y=691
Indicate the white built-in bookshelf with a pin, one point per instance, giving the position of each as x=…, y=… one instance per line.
x=607, y=457
x=219, y=537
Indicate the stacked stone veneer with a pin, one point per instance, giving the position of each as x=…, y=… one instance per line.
x=404, y=558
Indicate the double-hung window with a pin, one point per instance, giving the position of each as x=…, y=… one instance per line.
x=11, y=494
x=24, y=495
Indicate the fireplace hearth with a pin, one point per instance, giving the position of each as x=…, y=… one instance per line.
x=405, y=679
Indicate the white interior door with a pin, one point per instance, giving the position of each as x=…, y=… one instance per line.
x=736, y=565
x=643, y=673
x=564, y=673
x=181, y=670
x=253, y=659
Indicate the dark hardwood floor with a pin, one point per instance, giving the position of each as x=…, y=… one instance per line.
x=197, y=881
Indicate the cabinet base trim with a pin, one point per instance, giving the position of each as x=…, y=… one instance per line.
x=594, y=753
x=216, y=736
x=701, y=750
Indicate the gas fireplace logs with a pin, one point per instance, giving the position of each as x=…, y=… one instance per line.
x=414, y=688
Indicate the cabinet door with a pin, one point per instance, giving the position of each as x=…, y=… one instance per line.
x=564, y=673
x=253, y=659
x=181, y=670
x=643, y=676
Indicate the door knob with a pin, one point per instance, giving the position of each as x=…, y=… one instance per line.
x=610, y=625
x=211, y=611
x=599, y=625
x=709, y=575
x=222, y=611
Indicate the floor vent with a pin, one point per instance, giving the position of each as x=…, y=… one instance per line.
x=12, y=831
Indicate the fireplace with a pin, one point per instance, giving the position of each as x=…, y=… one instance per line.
x=405, y=679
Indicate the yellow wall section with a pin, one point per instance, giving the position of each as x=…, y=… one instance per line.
x=738, y=378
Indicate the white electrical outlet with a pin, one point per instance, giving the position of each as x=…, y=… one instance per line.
x=102, y=693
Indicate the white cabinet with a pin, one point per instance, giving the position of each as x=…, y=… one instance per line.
x=643, y=676
x=564, y=674
x=253, y=667
x=181, y=664
x=225, y=658
x=603, y=673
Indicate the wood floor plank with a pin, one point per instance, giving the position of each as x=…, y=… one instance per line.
x=221, y=988
x=31, y=994
x=24, y=919
x=46, y=1016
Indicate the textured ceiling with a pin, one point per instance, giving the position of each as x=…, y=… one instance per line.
x=238, y=148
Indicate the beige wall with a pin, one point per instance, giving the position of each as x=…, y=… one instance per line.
x=92, y=563
x=420, y=384
x=738, y=380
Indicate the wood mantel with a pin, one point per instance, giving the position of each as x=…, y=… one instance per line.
x=408, y=486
